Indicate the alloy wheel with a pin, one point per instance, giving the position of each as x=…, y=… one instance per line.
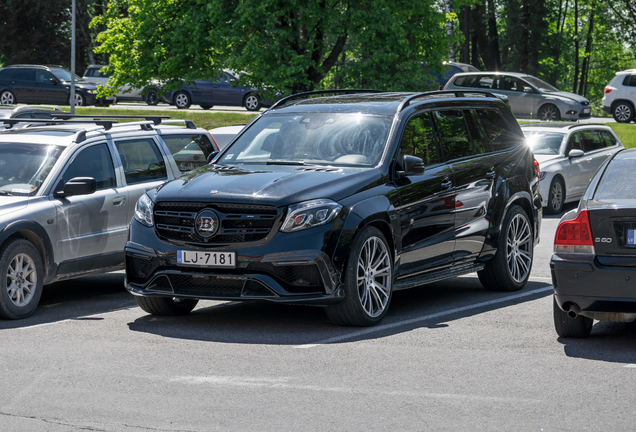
x=374, y=276
x=181, y=100
x=622, y=113
x=22, y=280
x=7, y=98
x=251, y=102
x=548, y=113
x=557, y=196
x=519, y=248
x=79, y=100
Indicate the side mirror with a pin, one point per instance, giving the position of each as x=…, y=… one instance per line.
x=412, y=166
x=574, y=153
x=53, y=81
x=78, y=186
x=528, y=90
x=212, y=155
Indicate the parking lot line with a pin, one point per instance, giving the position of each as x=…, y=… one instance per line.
x=77, y=318
x=423, y=318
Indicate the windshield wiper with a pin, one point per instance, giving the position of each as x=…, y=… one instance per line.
x=285, y=163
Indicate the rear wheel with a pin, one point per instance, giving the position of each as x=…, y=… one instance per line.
x=623, y=112
x=566, y=327
x=556, y=197
x=166, y=306
x=21, y=276
x=7, y=98
x=368, y=282
x=509, y=270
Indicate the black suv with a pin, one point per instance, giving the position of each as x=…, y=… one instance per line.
x=44, y=84
x=339, y=201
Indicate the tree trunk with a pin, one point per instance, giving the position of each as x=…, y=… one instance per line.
x=576, y=45
x=524, y=49
x=448, y=8
x=493, y=39
x=559, y=38
x=586, y=59
x=466, y=45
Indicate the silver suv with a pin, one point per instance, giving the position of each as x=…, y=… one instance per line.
x=68, y=193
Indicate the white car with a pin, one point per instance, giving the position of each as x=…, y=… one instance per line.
x=224, y=134
x=620, y=95
x=568, y=156
x=149, y=94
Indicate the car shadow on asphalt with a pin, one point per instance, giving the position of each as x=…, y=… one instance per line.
x=77, y=299
x=275, y=324
x=609, y=342
x=566, y=208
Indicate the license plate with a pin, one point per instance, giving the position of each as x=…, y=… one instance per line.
x=586, y=110
x=206, y=259
x=630, y=237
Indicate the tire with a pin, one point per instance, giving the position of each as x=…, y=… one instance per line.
x=556, y=197
x=21, y=277
x=166, y=306
x=368, y=292
x=566, y=327
x=252, y=102
x=8, y=98
x=182, y=100
x=510, y=268
x=206, y=107
x=151, y=97
x=80, y=100
x=549, y=112
x=623, y=112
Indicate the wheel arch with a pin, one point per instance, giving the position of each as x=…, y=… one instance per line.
x=36, y=235
x=546, y=103
x=617, y=101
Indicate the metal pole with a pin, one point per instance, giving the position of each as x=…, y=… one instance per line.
x=72, y=95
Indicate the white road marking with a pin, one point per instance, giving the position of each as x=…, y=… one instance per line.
x=424, y=318
x=74, y=318
x=285, y=384
x=630, y=366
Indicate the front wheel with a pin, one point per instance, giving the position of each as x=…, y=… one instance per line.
x=556, y=197
x=549, y=112
x=566, y=327
x=79, y=99
x=151, y=97
x=166, y=306
x=21, y=275
x=182, y=100
x=368, y=282
x=252, y=102
x=509, y=269
x=623, y=112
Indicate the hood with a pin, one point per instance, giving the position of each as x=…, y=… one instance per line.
x=546, y=159
x=267, y=184
x=568, y=95
x=10, y=204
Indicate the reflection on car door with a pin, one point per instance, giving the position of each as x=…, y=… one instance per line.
x=203, y=92
x=596, y=153
x=144, y=168
x=227, y=94
x=575, y=169
x=92, y=226
x=523, y=99
x=426, y=207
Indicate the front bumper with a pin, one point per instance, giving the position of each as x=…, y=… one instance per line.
x=276, y=271
x=598, y=290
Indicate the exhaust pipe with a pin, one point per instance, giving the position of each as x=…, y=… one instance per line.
x=574, y=311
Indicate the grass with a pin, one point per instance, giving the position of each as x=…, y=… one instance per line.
x=205, y=120
x=625, y=132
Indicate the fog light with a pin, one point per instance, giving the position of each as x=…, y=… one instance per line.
x=571, y=112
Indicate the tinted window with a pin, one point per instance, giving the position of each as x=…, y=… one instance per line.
x=592, y=141
x=419, y=140
x=41, y=115
x=618, y=182
x=42, y=76
x=5, y=74
x=95, y=162
x=465, y=81
x=497, y=130
x=486, y=82
x=189, y=150
x=608, y=138
x=23, y=74
x=23, y=116
x=141, y=160
x=630, y=80
x=481, y=143
x=453, y=135
x=575, y=142
x=516, y=84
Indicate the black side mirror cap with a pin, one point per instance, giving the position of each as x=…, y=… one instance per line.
x=53, y=81
x=212, y=155
x=78, y=186
x=412, y=166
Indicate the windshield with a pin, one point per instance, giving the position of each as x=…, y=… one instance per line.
x=547, y=143
x=312, y=139
x=540, y=84
x=63, y=75
x=24, y=167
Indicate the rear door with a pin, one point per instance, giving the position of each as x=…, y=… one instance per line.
x=23, y=82
x=426, y=202
x=522, y=97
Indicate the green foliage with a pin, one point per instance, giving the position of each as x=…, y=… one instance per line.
x=626, y=133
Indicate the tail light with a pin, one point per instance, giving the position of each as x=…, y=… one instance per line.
x=608, y=90
x=214, y=141
x=537, y=171
x=574, y=236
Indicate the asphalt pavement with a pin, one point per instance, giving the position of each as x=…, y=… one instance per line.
x=449, y=356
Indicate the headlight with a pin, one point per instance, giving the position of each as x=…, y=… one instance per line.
x=143, y=211
x=569, y=101
x=309, y=214
x=542, y=175
x=91, y=91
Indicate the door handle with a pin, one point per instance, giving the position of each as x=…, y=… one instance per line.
x=446, y=183
x=119, y=201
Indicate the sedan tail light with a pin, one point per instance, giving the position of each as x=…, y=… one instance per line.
x=537, y=171
x=608, y=90
x=574, y=236
x=214, y=141
x=446, y=85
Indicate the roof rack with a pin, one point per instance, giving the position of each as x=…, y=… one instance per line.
x=189, y=124
x=28, y=107
x=456, y=93
x=106, y=124
x=306, y=95
x=155, y=119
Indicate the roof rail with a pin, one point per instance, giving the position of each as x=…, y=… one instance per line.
x=28, y=107
x=155, y=119
x=308, y=94
x=106, y=124
x=189, y=124
x=586, y=124
x=456, y=93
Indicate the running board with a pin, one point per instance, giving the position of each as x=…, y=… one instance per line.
x=438, y=276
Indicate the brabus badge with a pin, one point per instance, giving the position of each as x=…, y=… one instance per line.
x=206, y=223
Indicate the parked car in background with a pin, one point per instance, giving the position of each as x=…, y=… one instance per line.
x=67, y=195
x=27, y=112
x=325, y=201
x=619, y=99
x=148, y=94
x=35, y=84
x=219, y=91
x=452, y=68
x=568, y=156
x=529, y=96
x=223, y=135
x=594, y=255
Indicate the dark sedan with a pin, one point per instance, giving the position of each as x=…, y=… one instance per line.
x=220, y=91
x=594, y=261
